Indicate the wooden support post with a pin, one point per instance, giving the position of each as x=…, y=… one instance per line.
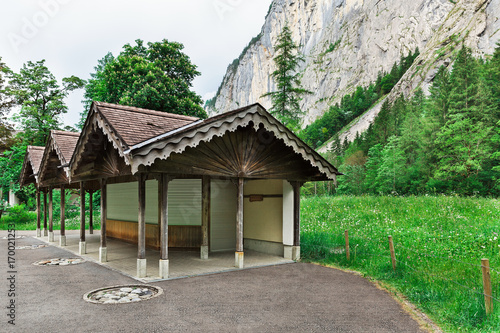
x=51, y=216
x=38, y=214
x=347, y=253
x=205, y=216
x=296, y=219
x=45, y=213
x=239, y=226
x=103, y=250
x=91, y=213
x=488, y=301
x=83, y=247
x=163, y=199
x=393, y=253
x=62, y=237
x=141, y=241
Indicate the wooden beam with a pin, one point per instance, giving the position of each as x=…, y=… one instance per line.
x=82, y=212
x=239, y=216
x=104, y=208
x=296, y=212
x=38, y=213
x=63, y=203
x=51, y=216
x=91, y=212
x=205, y=216
x=45, y=211
x=163, y=199
x=141, y=243
x=205, y=202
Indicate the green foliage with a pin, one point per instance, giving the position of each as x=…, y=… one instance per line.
x=6, y=103
x=19, y=215
x=439, y=243
x=24, y=216
x=41, y=99
x=355, y=104
x=445, y=143
x=332, y=47
x=288, y=94
x=157, y=77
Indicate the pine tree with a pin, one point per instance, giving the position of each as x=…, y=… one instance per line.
x=289, y=91
x=464, y=142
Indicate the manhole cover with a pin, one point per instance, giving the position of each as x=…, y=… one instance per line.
x=59, y=262
x=122, y=294
x=30, y=247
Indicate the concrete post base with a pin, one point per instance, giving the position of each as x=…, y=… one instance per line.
x=291, y=252
x=103, y=254
x=141, y=268
x=45, y=232
x=82, y=248
x=287, y=252
x=163, y=269
x=51, y=236
x=238, y=259
x=295, y=252
x=62, y=240
x=204, y=252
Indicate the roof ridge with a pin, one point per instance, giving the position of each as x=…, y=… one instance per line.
x=36, y=147
x=146, y=111
x=65, y=132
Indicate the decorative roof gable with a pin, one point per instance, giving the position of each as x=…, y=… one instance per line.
x=146, y=153
x=31, y=165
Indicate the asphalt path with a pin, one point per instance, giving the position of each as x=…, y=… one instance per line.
x=285, y=298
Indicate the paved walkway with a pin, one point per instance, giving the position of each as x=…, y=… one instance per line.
x=284, y=298
x=122, y=256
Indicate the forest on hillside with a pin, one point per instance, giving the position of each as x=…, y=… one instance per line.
x=447, y=142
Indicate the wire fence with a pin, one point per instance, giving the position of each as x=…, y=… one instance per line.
x=343, y=251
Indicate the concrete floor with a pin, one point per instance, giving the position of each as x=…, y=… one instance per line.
x=122, y=257
x=283, y=298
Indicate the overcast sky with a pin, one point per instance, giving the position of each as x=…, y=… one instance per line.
x=72, y=35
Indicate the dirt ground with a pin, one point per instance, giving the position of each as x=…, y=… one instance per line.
x=286, y=298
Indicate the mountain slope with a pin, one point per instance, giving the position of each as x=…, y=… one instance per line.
x=346, y=43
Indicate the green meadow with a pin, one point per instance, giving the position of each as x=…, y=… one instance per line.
x=439, y=243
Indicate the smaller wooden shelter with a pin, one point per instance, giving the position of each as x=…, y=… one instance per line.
x=29, y=175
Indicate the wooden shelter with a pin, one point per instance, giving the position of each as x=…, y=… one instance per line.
x=227, y=183
x=54, y=173
x=29, y=175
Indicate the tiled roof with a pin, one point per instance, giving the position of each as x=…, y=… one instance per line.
x=147, y=152
x=66, y=143
x=134, y=125
x=35, y=156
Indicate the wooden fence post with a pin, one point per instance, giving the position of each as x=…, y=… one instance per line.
x=347, y=254
x=393, y=254
x=488, y=301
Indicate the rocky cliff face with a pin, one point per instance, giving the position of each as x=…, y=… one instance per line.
x=346, y=43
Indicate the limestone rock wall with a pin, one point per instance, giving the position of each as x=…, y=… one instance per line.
x=369, y=36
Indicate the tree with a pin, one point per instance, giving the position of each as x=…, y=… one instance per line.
x=464, y=142
x=6, y=103
x=41, y=99
x=157, y=77
x=392, y=166
x=289, y=91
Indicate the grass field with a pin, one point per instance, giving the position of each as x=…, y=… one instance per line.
x=26, y=220
x=439, y=243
